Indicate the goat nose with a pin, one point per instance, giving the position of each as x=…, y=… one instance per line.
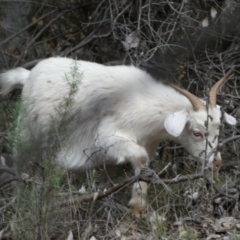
x=218, y=160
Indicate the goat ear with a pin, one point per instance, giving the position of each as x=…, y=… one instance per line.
x=175, y=122
x=230, y=119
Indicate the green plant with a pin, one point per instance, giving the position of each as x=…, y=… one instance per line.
x=37, y=211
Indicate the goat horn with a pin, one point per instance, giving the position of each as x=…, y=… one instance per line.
x=195, y=101
x=215, y=88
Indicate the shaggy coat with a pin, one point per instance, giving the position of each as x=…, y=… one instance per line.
x=121, y=114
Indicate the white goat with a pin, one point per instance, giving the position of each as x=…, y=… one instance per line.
x=121, y=109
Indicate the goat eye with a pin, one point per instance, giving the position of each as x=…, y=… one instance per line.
x=197, y=134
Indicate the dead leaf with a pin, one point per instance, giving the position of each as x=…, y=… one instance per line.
x=131, y=41
x=205, y=22
x=213, y=12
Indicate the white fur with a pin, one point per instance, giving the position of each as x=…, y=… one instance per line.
x=13, y=79
x=122, y=113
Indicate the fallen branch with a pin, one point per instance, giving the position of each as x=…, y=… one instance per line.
x=149, y=179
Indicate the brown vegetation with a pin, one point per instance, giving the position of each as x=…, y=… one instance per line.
x=192, y=43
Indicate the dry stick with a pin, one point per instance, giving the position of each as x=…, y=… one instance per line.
x=39, y=19
x=219, y=146
x=230, y=165
x=9, y=203
x=229, y=140
x=86, y=41
x=5, y=182
x=222, y=109
x=27, y=27
x=102, y=194
x=139, y=18
x=113, y=22
x=205, y=170
x=178, y=17
x=223, y=143
x=43, y=29
x=38, y=35
x=206, y=135
x=5, y=53
x=7, y=170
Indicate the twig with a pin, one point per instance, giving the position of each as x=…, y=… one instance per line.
x=230, y=165
x=8, y=170
x=24, y=53
x=102, y=194
x=223, y=143
x=139, y=18
x=9, y=203
x=88, y=39
x=229, y=140
x=4, y=183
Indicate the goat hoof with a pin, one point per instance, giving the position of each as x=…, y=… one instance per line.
x=137, y=212
x=137, y=206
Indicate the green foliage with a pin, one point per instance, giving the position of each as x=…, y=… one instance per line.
x=36, y=206
x=65, y=108
x=17, y=135
x=37, y=199
x=66, y=111
x=92, y=177
x=158, y=224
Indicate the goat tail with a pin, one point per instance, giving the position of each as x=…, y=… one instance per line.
x=13, y=79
